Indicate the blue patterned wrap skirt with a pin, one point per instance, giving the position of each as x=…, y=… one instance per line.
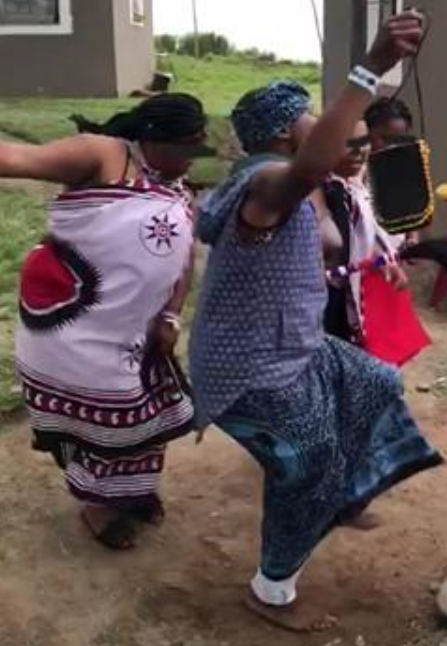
x=329, y=444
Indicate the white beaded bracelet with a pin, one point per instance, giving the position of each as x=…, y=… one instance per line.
x=365, y=79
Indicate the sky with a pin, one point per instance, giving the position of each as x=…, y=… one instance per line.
x=285, y=27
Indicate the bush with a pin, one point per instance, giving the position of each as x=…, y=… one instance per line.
x=166, y=44
x=251, y=54
x=209, y=43
x=266, y=58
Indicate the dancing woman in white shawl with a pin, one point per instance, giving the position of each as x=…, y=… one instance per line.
x=111, y=273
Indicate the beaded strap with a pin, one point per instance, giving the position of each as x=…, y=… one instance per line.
x=376, y=262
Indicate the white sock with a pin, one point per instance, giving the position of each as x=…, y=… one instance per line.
x=275, y=593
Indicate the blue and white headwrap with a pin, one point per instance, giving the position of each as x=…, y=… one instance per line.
x=262, y=115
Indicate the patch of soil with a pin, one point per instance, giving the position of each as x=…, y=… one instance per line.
x=184, y=585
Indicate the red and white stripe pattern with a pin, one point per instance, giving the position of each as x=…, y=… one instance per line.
x=117, y=482
x=118, y=421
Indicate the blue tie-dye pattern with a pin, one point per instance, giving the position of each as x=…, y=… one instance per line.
x=269, y=113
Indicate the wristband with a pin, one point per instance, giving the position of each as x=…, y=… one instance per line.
x=365, y=79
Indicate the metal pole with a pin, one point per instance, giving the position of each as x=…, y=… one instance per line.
x=196, y=29
x=359, y=35
x=318, y=28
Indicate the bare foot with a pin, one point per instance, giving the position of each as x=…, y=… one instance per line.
x=299, y=616
x=364, y=522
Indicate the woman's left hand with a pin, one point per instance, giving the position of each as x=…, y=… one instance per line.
x=164, y=336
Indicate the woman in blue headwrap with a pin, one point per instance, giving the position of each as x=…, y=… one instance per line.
x=313, y=411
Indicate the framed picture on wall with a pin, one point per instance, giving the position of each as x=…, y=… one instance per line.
x=137, y=13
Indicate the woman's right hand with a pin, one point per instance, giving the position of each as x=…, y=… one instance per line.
x=399, y=38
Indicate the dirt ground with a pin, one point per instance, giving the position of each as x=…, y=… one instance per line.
x=184, y=585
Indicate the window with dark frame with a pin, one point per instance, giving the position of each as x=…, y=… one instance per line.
x=29, y=12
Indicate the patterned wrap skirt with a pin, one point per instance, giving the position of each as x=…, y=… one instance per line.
x=112, y=450
x=329, y=444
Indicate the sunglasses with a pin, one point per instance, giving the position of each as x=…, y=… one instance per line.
x=358, y=143
x=391, y=140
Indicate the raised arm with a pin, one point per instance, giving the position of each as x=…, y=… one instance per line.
x=275, y=192
x=70, y=161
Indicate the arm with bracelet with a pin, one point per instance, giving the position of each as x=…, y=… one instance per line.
x=275, y=191
x=167, y=329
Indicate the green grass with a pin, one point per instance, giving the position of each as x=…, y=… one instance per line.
x=41, y=120
x=22, y=223
x=38, y=120
x=220, y=81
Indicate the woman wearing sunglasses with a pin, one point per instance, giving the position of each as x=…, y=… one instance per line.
x=349, y=202
x=371, y=310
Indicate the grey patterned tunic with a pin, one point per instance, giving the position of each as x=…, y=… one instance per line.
x=260, y=314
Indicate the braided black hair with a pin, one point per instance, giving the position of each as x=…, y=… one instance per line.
x=162, y=118
x=385, y=109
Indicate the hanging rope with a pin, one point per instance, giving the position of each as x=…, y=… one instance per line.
x=318, y=27
x=413, y=70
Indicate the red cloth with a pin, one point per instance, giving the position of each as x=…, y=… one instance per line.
x=45, y=281
x=392, y=330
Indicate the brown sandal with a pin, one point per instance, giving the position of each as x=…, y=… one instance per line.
x=152, y=512
x=118, y=534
